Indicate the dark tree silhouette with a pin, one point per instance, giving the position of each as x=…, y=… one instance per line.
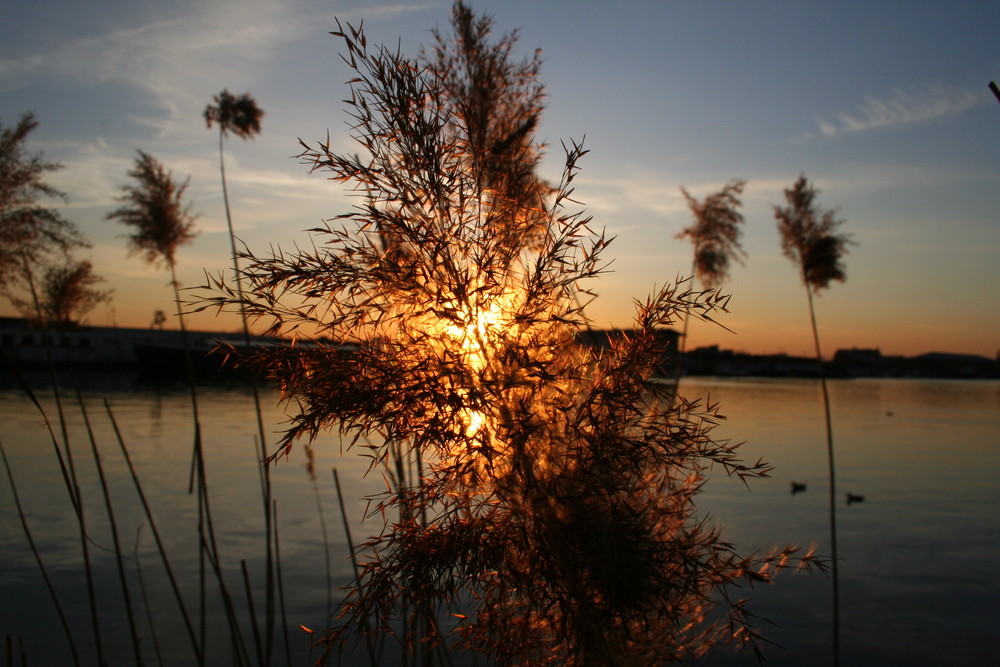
x=810, y=240
x=66, y=291
x=31, y=232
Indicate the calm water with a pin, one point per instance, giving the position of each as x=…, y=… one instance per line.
x=918, y=580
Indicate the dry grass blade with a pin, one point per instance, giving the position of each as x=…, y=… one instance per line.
x=70, y=641
x=188, y=625
x=113, y=524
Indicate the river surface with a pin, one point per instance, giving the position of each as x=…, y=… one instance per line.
x=918, y=555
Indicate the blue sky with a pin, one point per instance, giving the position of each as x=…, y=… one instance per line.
x=884, y=105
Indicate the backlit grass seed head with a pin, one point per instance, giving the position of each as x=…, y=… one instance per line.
x=540, y=488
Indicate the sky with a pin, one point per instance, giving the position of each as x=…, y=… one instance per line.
x=884, y=106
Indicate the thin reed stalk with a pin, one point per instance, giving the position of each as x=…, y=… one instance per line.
x=70, y=640
x=209, y=547
x=10, y=639
x=188, y=625
x=254, y=626
x=63, y=468
x=810, y=240
x=113, y=525
x=145, y=599
x=369, y=643
x=241, y=116
x=834, y=565
x=311, y=471
x=281, y=586
x=76, y=499
x=85, y=550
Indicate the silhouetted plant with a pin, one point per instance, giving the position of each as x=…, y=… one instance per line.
x=715, y=236
x=544, y=489
x=65, y=291
x=155, y=211
x=715, y=233
x=153, y=207
x=240, y=115
x=810, y=240
x=496, y=104
x=31, y=232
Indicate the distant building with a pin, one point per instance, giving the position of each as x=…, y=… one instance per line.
x=24, y=344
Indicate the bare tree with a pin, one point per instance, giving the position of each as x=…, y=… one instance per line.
x=810, y=240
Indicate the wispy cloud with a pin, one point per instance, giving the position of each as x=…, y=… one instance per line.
x=899, y=106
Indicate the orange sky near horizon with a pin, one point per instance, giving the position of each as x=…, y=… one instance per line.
x=899, y=133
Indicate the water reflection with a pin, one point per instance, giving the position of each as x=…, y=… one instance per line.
x=918, y=553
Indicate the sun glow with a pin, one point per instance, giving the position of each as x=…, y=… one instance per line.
x=473, y=333
x=475, y=330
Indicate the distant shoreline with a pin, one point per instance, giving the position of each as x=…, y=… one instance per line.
x=160, y=352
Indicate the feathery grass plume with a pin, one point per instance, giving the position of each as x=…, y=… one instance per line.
x=240, y=115
x=496, y=104
x=154, y=208
x=29, y=229
x=553, y=520
x=715, y=236
x=809, y=240
x=716, y=232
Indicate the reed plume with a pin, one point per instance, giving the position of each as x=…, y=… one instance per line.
x=810, y=240
x=544, y=488
x=239, y=115
x=715, y=235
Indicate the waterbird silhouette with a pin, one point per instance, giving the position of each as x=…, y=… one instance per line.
x=853, y=498
x=798, y=487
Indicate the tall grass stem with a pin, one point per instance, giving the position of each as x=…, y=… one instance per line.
x=70, y=641
x=113, y=525
x=188, y=625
